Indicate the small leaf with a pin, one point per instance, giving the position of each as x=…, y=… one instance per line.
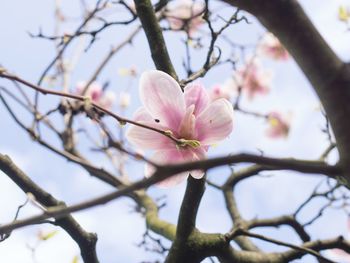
x=343, y=14
x=75, y=259
x=47, y=236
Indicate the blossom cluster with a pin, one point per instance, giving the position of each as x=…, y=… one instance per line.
x=252, y=80
x=96, y=93
x=103, y=97
x=185, y=15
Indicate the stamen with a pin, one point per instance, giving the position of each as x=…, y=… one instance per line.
x=191, y=143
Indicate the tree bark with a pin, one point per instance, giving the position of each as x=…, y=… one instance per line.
x=329, y=76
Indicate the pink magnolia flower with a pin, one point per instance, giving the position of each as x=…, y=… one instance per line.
x=224, y=90
x=107, y=99
x=95, y=91
x=185, y=11
x=218, y=91
x=271, y=47
x=253, y=79
x=278, y=125
x=196, y=122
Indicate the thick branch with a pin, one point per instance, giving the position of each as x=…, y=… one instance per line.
x=154, y=36
x=153, y=221
x=304, y=166
x=329, y=76
x=180, y=250
x=318, y=245
x=189, y=208
x=305, y=249
x=86, y=241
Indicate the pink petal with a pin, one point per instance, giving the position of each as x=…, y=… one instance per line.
x=162, y=97
x=196, y=94
x=195, y=155
x=186, y=130
x=144, y=138
x=141, y=114
x=176, y=156
x=164, y=157
x=215, y=123
x=94, y=91
x=107, y=99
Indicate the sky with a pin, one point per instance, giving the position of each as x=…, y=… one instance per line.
x=119, y=228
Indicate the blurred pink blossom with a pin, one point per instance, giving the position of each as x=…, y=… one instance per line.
x=185, y=12
x=271, y=47
x=224, y=90
x=95, y=91
x=190, y=117
x=253, y=79
x=278, y=125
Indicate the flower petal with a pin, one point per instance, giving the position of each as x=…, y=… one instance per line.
x=144, y=138
x=215, y=123
x=164, y=157
x=197, y=95
x=195, y=155
x=162, y=97
x=176, y=156
x=186, y=129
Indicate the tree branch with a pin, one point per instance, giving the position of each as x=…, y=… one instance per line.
x=318, y=245
x=302, y=249
x=154, y=36
x=303, y=166
x=180, y=250
x=278, y=221
x=329, y=76
x=86, y=241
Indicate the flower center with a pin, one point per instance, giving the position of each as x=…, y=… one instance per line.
x=191, y=143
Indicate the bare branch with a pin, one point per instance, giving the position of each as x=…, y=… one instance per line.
x=86, y=241
x=302, y=249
